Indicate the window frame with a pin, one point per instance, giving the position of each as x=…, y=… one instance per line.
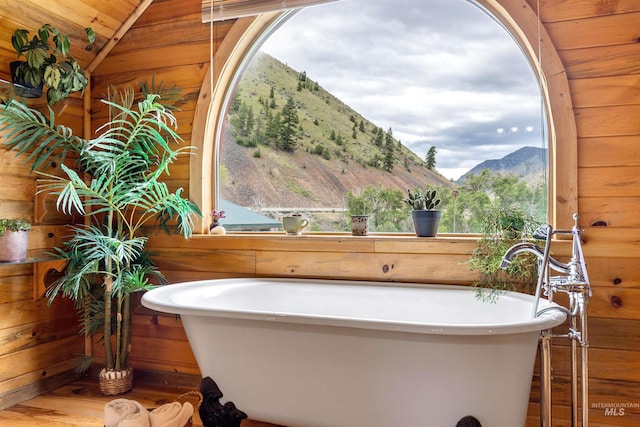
x=519, y=19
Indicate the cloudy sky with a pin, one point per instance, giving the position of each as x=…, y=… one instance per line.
x=438, y=72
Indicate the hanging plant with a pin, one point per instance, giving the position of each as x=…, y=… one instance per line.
x=47, y=63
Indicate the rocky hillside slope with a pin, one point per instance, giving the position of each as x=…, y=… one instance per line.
x=337, y=149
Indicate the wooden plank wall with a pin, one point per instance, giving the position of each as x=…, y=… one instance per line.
x=598, y=43
x=37, y=344
x=603, y=67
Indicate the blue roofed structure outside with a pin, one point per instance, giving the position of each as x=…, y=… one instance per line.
x=238, y=218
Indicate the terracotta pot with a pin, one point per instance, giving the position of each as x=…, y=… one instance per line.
x=13, y=245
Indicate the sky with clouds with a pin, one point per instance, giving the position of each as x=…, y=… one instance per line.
x=438, y=72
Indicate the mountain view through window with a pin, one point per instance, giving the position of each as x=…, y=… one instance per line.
x=349, y=104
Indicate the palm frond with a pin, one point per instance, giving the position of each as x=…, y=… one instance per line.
x=26, y=130
x=136, y=278
x=79, y=278
x=180, y=209
x=169, y=97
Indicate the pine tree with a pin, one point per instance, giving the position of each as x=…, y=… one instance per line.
x=273, y=126
x=388, y=151
x=249, y=120
x=431, y=158
x=272, y=96
x=236, y=102
x=379, y=141
x=288, y=126
x=258, y=133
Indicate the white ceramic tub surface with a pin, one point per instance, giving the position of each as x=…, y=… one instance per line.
x=305, y=352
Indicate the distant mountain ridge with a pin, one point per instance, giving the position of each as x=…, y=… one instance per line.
x=528, y=162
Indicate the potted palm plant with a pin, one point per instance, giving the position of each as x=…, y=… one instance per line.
x=426, y=218
x=116, y=186
x=47, y=62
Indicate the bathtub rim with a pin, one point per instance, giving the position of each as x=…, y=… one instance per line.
x=156, y=299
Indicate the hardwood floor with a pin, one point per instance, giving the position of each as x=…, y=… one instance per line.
x=80, y=404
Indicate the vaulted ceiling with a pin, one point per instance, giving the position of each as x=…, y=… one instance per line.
x=109, y=20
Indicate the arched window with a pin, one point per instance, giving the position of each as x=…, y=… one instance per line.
x=529, y=40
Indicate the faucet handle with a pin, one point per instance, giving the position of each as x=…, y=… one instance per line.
x=542, y=232
x=568, y=284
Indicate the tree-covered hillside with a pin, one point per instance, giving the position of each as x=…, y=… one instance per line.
x=289, y=143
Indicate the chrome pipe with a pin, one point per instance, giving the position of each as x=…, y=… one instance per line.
x=574, y=364
x=545, y=379
x=543, y=269
x=584, y=346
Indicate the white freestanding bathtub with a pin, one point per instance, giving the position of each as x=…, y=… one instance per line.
x=361, y=354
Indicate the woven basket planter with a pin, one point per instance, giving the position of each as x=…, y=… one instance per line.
x=115, y=382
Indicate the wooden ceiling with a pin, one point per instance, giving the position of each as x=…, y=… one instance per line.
x=109, y=20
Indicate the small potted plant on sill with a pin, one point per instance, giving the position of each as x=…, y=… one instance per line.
x=425, y=216
x=48, y=63
x=14, y=235
x=215, y=227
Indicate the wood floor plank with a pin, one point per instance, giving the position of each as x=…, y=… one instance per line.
x=80, y=404
x=23, y=416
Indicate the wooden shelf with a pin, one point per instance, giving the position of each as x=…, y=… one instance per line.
x=43, y=265
x=33, y=256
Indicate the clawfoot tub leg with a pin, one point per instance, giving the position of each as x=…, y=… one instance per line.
x=215, y=414
x=469, y=421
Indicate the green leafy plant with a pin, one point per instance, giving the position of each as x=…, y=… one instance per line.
x=48, y=61
x=13, y=225
x=115, y=184
x=422, y=200
x=502, y=228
